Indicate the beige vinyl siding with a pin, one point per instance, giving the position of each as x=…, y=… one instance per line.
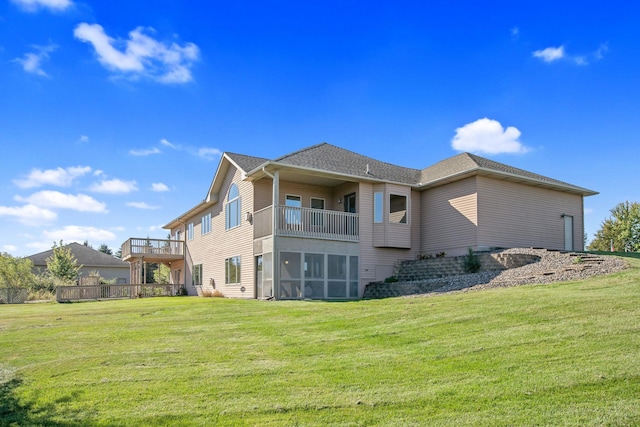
x=390, y=233
x=449, y=218
x=213, y=248
x=262, y=193
x=514, y=215
x=376, y=263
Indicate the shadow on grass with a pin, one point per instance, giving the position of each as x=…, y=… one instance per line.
x=13, y=412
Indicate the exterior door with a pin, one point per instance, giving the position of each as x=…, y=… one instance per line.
x=351, y=222
x=568, y=233
x=259, y=288
x=350, y=203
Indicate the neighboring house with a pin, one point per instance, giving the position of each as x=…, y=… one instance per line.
x=322, y=222
x=91, y=260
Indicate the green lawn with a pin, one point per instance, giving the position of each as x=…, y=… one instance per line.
x=561, y=354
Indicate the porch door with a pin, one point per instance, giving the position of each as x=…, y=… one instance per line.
x=350, y=223
x=259, y=289
x=350, y=203
x=568, y=233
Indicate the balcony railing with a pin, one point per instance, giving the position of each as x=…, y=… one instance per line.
x=309, y=223
x=153, y=248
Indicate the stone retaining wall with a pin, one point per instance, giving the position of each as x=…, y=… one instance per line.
x=417, y=276
x=434, y=268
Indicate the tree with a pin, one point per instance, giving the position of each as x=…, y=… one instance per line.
x=62, y=264
x=15, y=272
x=621, y=231
x=162, y=274
x=105, y=249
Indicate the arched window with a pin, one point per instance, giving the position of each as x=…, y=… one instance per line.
x=232, y=208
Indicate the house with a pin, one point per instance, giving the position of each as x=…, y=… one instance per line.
x=92, y=261
x=322, y=222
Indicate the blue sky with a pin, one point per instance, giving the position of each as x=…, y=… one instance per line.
x=113, y=114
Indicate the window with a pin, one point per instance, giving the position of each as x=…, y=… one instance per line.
x=377, y=207
x=232, y=208
x=196, y=277
x=232, y=270
x=206, y=224
x=397, y=209
x=190, y=231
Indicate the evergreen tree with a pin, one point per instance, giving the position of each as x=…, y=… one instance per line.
x=105, y=249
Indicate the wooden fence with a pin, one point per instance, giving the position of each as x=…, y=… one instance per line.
x=82, y=293
x=13, y=295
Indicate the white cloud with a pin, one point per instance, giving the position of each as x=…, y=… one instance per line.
x=29, y=214
x=166, y=143
x=34, y=5
x=487, y=136
x=209, y=153
x=141, y=55
x=79, y=233
x=550, y=54
x=114, y=186
x=9, y=248
x=515, y=32
x=141, y=205
x=83, y=139
x=32, y=61
x=56, y=199
x=145, y=152
x=159, y=187
x=59, y=177
x=40, y=246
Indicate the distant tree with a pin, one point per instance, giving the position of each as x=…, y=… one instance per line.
x=15, y=272
x=62, y=264
x=118, y=253
x=86, y=243
x=621, y=230
x=162, y=274
x=105, y=249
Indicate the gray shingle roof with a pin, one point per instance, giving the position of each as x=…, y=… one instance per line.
x=466, y=162
x=246, y=163
x=328, y=157
x=85, y=255
x=333, y=159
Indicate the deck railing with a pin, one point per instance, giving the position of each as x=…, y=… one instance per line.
x=309, y=223
x=79, y=293
x=145, y=247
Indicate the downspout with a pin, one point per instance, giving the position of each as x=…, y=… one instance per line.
x=275, y=258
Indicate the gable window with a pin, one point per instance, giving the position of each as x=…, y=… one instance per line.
x=232, y=270
x=190, y=231
x=397, y=209
x=196, y=277
x=232, y=208
x=206, y=224
x=377, y=207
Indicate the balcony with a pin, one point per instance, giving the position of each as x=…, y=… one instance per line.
x=307, y=223
x=153, y=250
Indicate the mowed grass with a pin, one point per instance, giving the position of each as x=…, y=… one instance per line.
x=560, y=354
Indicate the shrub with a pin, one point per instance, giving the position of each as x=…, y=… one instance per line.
x=471, y=262
x=441, y=254
x=391, y=279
